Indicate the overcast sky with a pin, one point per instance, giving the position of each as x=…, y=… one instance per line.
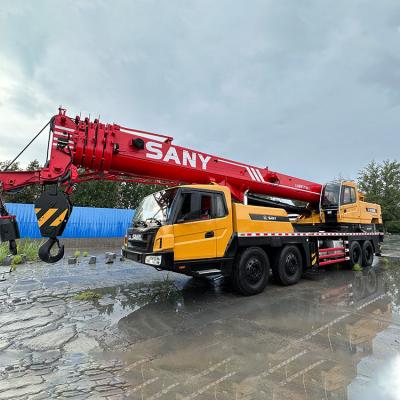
x=309, y=88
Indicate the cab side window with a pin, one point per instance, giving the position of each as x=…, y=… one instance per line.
x=198, y=206
x=189, y=210
x=348, y=195
x=220, y=208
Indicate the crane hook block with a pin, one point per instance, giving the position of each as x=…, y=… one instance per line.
x=45, y=251
x=53, y=209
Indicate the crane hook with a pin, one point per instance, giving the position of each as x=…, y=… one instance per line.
x=45, y=251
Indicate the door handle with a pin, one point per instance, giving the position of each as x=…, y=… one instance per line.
x=209, y=234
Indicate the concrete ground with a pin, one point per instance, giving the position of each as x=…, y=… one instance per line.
x=152, y=335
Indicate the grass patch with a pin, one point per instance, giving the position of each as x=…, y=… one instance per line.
x=28, y=247
x=17, y=260
x=357, y=267
x=3, y=251
x=87, y=295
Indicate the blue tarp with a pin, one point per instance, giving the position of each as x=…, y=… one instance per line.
x=85, y=222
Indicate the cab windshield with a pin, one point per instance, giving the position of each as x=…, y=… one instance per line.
x=330, y=195
x=155, y=208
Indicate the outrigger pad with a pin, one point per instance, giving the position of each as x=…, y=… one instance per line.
x=52, y=209
x=8, y=228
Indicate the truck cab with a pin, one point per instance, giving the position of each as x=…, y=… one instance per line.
x=182, y=227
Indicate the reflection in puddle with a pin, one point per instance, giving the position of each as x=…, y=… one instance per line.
x=333, y=336
x=118, y=302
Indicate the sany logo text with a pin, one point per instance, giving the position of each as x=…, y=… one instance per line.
x=187, y=158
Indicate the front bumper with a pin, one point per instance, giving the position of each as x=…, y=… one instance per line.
x=167, y=258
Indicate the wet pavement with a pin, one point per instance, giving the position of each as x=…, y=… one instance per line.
x=153, y=335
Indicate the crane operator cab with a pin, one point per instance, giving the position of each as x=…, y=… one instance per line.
x=342, y=205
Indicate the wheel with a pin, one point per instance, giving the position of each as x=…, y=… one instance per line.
x=367, y=254
x=251, y=271
x=287, y=267
x=355, y=254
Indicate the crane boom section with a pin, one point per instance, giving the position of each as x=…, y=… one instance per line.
x=108, y=151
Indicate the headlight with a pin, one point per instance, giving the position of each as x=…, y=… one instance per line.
x=153, y=260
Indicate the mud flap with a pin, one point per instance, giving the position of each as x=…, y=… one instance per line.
x=53, y=209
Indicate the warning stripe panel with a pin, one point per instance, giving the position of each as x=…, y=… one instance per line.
x=46, y=216
x=59, y=219
x=264, y=234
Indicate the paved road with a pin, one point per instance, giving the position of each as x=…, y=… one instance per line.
x=153, y=335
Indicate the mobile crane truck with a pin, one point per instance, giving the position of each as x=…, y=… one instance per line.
x=215, y=216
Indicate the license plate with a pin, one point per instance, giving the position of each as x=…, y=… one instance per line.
x=136, y=236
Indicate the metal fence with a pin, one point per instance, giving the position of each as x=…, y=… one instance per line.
x=85, y=222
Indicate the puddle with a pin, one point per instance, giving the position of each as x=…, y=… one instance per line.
x=121, y=301
x=335, y=335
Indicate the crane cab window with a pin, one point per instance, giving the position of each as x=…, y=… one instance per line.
x=348, y=195
x=330, y=196
x=199, y=206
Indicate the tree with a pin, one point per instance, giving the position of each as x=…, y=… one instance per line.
x=96, y=194
x=109, y=194
x=381, y=184
x=131, y=194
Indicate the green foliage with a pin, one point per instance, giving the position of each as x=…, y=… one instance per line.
x=77, y=253
x=381, y=184
x=29, y=248
x=3, y=251
x=85, y=253
x=357, y=267
x=106, y=194
x=17, y=260
x=131, y=194
x=96, y=194
x=87, y=295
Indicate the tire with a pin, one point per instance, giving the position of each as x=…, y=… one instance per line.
x=251, y=271
x=367, y=254
x=287, y=267
x=355, y=254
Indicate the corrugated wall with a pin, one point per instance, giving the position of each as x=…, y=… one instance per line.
x=85, y=222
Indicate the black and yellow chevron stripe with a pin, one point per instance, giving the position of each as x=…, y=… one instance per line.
x=50, y=217
x=313, y=258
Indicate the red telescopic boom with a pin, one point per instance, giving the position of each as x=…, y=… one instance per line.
x=110, y=151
